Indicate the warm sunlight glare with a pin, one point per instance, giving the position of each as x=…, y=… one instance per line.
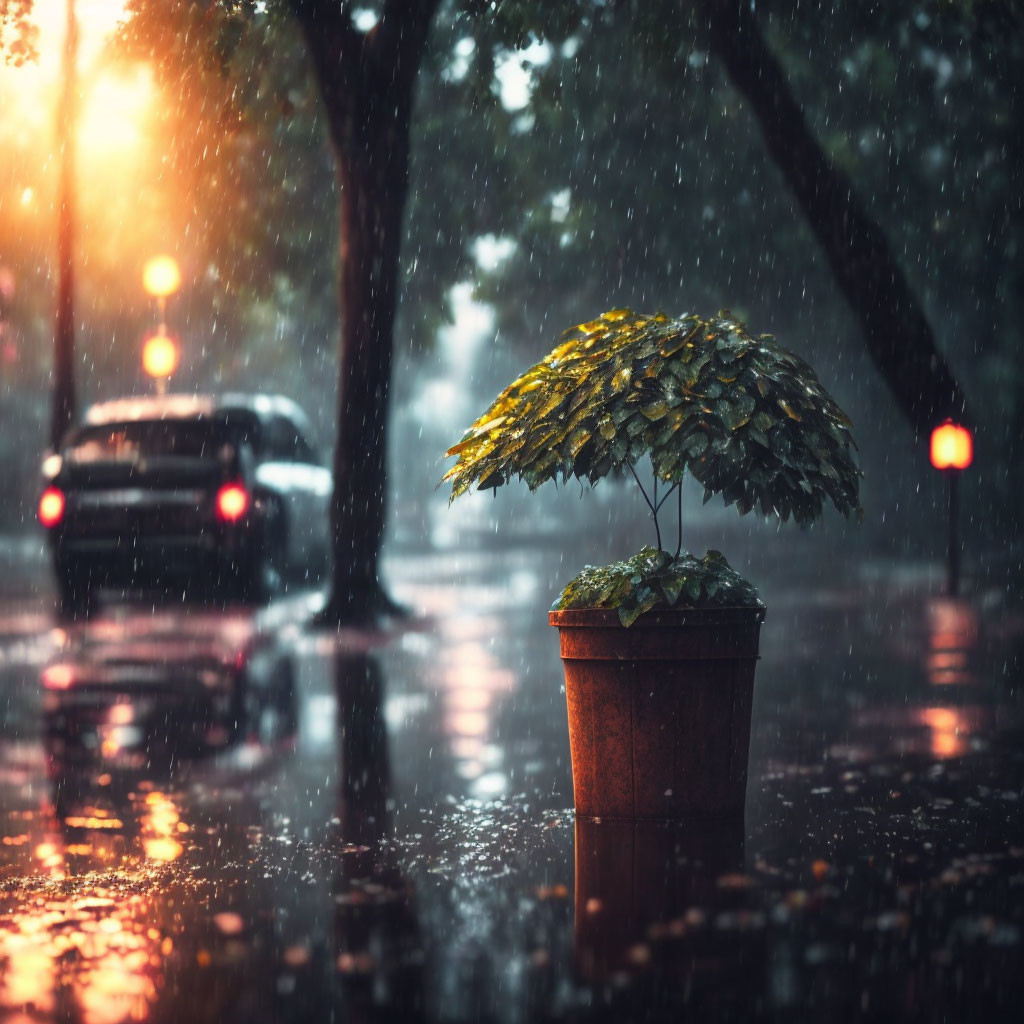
x=97, y=20
x=114, y=110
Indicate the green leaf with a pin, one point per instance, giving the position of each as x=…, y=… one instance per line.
x=656, y=410
x=628, y=615
x=672, y=586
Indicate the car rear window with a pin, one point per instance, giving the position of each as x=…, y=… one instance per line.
x=126, y=442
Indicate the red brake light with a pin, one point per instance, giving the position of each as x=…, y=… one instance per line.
x=232, y=502
x=51, y=507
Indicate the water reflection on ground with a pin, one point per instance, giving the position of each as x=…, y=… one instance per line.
x=220, y=817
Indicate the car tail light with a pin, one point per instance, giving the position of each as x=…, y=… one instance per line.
x=51, y=507
x=232, y=503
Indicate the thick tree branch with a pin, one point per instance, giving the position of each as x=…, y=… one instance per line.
x=898, y=335
x=335, y=47
x=400, y=34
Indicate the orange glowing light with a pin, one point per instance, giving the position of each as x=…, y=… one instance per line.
x=121, y=714
x=161, y=849
x=51, y=507
x=161, y=276
x=160, y=355
x=952, y=446
x=160, y=823
x=947, y=728
x=58, y=677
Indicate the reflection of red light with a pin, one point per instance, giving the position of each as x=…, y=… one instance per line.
x=232, y=502
x=51, y=507
x=946, y=725
x=952, y=446
x=58, y=677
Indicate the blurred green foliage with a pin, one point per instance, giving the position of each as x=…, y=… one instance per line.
x=632, y=173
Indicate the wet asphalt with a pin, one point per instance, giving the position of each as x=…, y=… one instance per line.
x=389, y=833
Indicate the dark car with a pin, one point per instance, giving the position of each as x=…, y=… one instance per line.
x=224, y=492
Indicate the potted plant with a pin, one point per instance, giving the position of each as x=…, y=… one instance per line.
x=659, y=650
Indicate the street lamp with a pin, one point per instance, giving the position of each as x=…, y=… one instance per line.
x=62, y=411
x=952, y=451
x=161, y=278
x=160, y=355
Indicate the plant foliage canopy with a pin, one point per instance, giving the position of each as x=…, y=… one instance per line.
x=749, y=419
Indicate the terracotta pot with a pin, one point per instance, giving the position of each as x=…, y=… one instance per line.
x=659, y=713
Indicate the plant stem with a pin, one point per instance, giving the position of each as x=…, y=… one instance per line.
x=666, y=496
x=650, y=504
x=679, y=544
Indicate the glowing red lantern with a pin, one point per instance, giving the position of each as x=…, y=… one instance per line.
x=952, y=446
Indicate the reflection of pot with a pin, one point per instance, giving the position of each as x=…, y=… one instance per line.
x=659, y=713
x=634, y=875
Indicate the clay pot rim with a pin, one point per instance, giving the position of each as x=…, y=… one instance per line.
x=656, y=618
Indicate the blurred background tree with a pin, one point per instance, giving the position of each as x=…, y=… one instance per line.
x=565, y=159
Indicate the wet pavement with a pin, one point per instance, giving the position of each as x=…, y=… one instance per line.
x=388, y=833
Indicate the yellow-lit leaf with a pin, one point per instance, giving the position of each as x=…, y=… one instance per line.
x=785, y=407
x=458, y=449
x=577, y=441
x=549, y=406
x=490, y=425
x=655, y=410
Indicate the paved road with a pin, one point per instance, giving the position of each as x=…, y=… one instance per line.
x=398, y=843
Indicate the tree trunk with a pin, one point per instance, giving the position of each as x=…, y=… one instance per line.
x=366, y=82
x=372, y=198
x=898, y=336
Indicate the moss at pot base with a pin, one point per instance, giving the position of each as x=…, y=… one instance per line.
x=659, y=713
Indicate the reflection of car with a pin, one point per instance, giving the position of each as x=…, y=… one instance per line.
x=155, y=691
x=214, y=490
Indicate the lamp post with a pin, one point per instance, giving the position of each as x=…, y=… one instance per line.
x=161, y=278
x=952, y=451
x=63, y=408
